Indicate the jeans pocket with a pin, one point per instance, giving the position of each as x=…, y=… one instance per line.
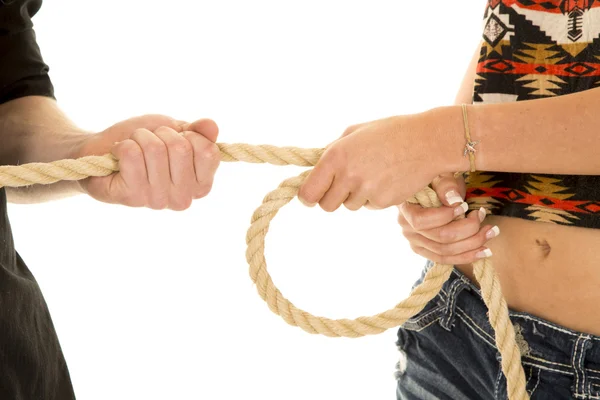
x=430, y=314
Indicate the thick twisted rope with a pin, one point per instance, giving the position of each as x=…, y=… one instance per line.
x=46, y=173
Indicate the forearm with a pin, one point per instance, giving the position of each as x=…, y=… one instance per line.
x=556, y=135
x=34, y=129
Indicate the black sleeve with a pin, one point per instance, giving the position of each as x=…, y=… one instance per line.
x=22, y=69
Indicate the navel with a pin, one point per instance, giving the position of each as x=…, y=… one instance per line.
x=544, y=246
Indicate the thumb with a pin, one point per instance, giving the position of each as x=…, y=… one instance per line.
x=450, y=190
x=206, y=127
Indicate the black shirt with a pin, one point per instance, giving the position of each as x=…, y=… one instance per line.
x=32, y=366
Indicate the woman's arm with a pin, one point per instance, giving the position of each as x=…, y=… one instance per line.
x=559, y=135
x=384, y=162
x=465, y=92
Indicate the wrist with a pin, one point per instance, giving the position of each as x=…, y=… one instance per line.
x=447, y=137
x=34, y=129
x=80, y=147
x=58, y=146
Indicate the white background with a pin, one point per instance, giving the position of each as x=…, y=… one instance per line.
x=156, y=305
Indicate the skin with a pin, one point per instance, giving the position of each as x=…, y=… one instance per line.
x=545, y=269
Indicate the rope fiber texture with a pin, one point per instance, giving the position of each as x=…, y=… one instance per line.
x=46, y=173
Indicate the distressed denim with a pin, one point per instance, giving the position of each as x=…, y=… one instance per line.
x=447, y=351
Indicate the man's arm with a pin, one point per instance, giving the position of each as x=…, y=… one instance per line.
x=163, y=163
x=32, y=127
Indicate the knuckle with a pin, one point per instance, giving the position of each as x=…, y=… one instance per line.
x=210, y=152
x=182, y=148
x=350, y=129
x=438, y=248
x=352, y=178
x=181, y=203
x=436, y=181
x=408, y=233
x=129, y=202
x=444, y=259
x=159, y=201
x=414, y=248
x=379, y=202
x=335, y=155
x=352, y=207
x=369, y=187
x=473, y=226
x=132, y=199
x=385, y=199
x=445, y=250
x=203, y=190
x=132, y=151
x=402, y=220
x=165, y=129
x=156, y=149
x=447, y=234
x=140, y=132
x=175, y=125
x=157, y=205
x=416, y=220
x=308, y=196
x=439, y=260
x=481, y=239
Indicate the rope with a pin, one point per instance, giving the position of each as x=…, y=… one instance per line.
x=46, y=173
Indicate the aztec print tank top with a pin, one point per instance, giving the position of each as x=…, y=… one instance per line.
x=533, y=49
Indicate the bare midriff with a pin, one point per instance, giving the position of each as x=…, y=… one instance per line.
x=551, y=271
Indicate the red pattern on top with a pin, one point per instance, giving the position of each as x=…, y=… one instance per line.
x=572, y=69
x=569, y=5
x=519, y=196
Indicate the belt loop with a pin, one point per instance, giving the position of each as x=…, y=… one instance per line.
x=455, y=288
x=581, y=383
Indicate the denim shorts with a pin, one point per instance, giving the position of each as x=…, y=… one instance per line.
x=447, y=351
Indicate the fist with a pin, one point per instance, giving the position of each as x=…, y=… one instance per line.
x=443, y=234
x=163, y=163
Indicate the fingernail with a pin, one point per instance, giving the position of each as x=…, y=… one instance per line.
x=453, y=197
x=492, y=233
x=482, y=214
x=116, y=143
x=461, y=209
x=484, y=253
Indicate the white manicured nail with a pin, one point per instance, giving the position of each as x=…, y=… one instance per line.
x=482, y=214
x=453, y=197
x=461, y=209
x=484, y=254
x=492, y=233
